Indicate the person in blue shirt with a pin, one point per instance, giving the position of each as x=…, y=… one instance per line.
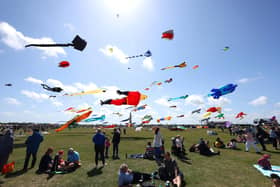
x=73, y=160
x=33, y=142
x=99, y=141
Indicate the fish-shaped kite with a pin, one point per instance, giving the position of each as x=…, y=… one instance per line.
x=146, y=54
x=217, y=93
x=176, y=98
x=196, y=111
x=182, y=65
x=92, y=119
x=52, y=89
x=240, y=115
x=168, y=35
x=214, y=109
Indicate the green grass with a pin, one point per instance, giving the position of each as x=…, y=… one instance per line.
x=232, y=168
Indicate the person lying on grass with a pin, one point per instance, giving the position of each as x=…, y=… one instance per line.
x=46, y=162
x=264, y=162
x=149, y=152
x=232, y=144
x=127, y=177
x=219, y=143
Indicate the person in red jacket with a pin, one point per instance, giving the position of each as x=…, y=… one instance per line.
x=264, y=162
x=132, y=98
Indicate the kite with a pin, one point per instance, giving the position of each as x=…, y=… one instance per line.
x=181, y=116
x=54, y=89
x=117, y=113
x=226, y=48
x=140, y=108
x=76, y=119
x=207, y=114
x=78, y=43
x=52, y=96
x=147, y=89
x=195, y=67
x=130, y=107
x=64, y=64
x=176, y=98
x=147, y=119
x=182, y=65
x=165, y=118
x=100, y=118
x=220, y=116
x=156, y=83
x=82, y=110
x=125, y=120
x=240, y=115
x=214, y=109
x=217, y=93
x=169, y=80
x=70, y=109
x=97, y=91
x=173, y=106
x=9, y=84
x=196, y=111
x=168, y=35
x=146, y=54
x=109, y=126
x=132, y=98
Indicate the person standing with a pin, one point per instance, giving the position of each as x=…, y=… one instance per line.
x=261, y=134
x=99, y=141
x=33, y=142
x=157, y=143
x=273, y=137
x=6, y=147
x=116, y=140
x=250, y=141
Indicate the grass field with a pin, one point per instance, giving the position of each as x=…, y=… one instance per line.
x=231, y=168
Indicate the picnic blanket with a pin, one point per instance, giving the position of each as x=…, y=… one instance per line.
x=275, y=170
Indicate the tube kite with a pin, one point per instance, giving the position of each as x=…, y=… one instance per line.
x=214, y=109
x=195, y=67
x=146, y=54
x=176, y=98
x=226, y=48
x=168, y=81
x=76, y=119
x=64, y=64
x=117, y=113
x=240, y=115
x=132, y=98
x=100, y=118
x=181, y=116
x=173, y=106
x=169, y=35
x=52, y=89
x=125, y=120
x=140, y=108
x=78, y=43
x=182, y=65
x=220, y=116
x=196, y=111
x=165, y=118
x=97, y=91
x=217, y=93
x=9, y=84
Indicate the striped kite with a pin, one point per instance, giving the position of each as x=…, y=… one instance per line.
x=182, y=65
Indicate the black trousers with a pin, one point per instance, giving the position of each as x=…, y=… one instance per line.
x=274, y=142
x=99, y=150
x=115, y=149
x=261, y=140
x=137, y=176
x=27, y=157
x=106, y=151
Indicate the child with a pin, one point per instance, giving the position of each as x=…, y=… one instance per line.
x=58, y=163
x=232, y=144
x=264, y=162
x=219, y=143
x=107, y=145
x=149, y=153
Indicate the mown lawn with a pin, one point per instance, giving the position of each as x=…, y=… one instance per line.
x=231, y=168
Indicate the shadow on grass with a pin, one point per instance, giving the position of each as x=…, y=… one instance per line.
x=135, y=138
x=95, y=172
x=277, y=152
x=15, y=174
x=19, y=145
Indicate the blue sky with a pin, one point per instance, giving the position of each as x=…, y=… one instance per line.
x=202, y=29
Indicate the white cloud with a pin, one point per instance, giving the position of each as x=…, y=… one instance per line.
x=33, y=80
x=250, y=79
x=85, y=87
x=262, y=100
x=57, y=103
x=227, y=109
x=16, y=40
x=277, y=104
x=70, y=27
x=164, y=102
x=1, y=51
x=148, y=64
x=34, y=95
x=12, y=101
x=218, y=102
x=243, y=80
x=195, y=100
x=115, y=52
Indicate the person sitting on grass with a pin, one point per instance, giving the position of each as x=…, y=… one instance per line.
x=219, y=143
x=127, y=177
x=73, y=160
x=204, y=149
x=149, y=153
x=264, y=162
x=169, y=171
x=58, y=163
x=46, y=162
x=232, y=144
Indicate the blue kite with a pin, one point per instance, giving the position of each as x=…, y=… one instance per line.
x=217, y=93
x=146, y=54
x=100, y=118
x=176, y=98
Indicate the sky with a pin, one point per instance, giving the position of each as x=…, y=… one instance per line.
x=131, y=27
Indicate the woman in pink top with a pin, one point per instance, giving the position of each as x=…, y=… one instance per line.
x=250, y=141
